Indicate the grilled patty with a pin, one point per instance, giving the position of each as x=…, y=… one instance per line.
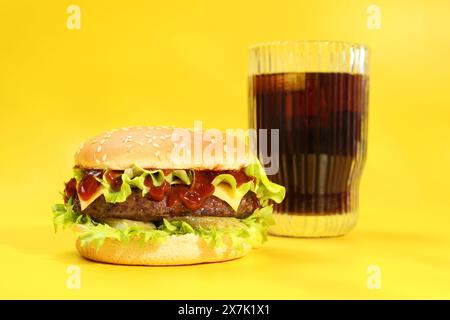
x=140, y=208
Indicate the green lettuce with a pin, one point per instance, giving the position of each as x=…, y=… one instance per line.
x=176, y=227
x=63, y=215
x=78, y=174
x=265, y=189
x=251, y=231
x=135, y=177
x=180, y=177
x=116, y=196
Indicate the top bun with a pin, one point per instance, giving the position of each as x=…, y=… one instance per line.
x=161, y=148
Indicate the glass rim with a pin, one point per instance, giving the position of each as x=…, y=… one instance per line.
x=324, y=42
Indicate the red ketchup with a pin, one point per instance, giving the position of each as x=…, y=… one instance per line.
x=156, y=193
x=175, y=194
x=194, y=196
x=200, y=190
x=70, y=189
x=114, y=179
x=88, y=185
x=240, y=176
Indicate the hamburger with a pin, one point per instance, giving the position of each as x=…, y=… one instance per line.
x=132, y=201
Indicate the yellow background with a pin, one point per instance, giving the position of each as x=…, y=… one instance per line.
x=173, y=62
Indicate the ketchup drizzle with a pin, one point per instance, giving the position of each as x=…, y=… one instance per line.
x=89, y=184
x=201, y=189
x=70, y=189
x=156, y=193
x=240, y=176
x=114, y=178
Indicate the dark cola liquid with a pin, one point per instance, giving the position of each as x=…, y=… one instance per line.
x=322, y=118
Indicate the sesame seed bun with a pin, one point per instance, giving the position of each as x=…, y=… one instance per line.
x=175, y=250
x=159, y=147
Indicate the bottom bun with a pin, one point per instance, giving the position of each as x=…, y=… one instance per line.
x=175, y=250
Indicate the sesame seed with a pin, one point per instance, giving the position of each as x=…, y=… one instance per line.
x=99, y=148
x=157, y=154
x=149, y=141
x=156, y=145
x=163, y=138
x=97, y=161
x=125, y=129
x=147, y=135
x=94, y=141
x=104, y=157
x=102, y=141
x=154, y=137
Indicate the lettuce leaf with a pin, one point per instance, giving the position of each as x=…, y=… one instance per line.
x=63, y=215
x=135, y=177
x=265, y=189
x=156, y=175
x=258, y=223
x=180, y=177
x=251, y=231
x=78, y=174
x=95, y=233
x=116, y=196
x=176, y=227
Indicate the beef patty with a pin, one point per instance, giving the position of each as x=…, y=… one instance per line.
x=140, y=208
